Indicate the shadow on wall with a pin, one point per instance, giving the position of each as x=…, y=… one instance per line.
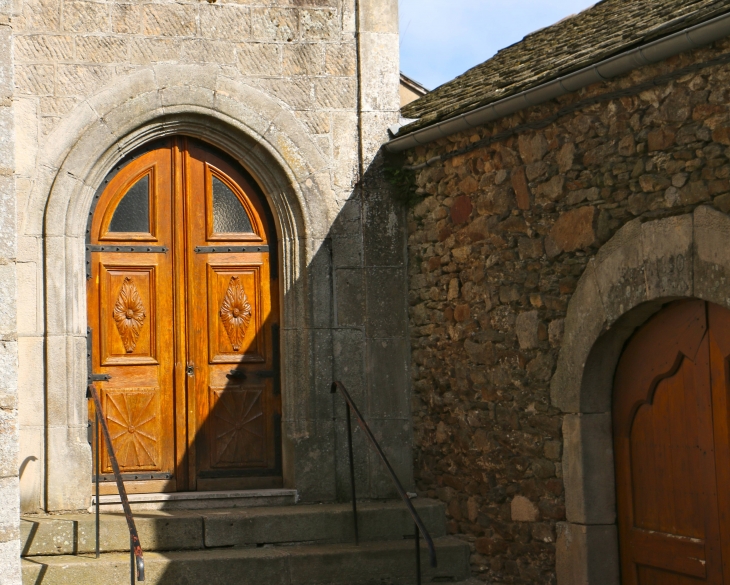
x=353, y=328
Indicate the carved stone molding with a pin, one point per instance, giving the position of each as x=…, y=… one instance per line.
x=129, y=314
x=235, y=312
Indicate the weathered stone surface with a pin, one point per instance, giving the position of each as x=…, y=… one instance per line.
x=523, y=510
x=575, y=229
x=580, y=231
x=526, y=327
x=588, y=467
x=587, y=554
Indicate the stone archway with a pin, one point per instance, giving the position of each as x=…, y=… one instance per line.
x=155, y=102
x=644, y=266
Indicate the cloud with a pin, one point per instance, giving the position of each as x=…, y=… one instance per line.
x=441, y=39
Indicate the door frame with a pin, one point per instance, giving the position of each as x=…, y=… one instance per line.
x=658, y=262
x=284, y=162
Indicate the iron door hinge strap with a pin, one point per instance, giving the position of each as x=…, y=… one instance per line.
x=141, y=249
x=229, y=249
x=134, y=476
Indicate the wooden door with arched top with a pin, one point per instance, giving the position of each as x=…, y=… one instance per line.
x=183, y=317
x=672, y=449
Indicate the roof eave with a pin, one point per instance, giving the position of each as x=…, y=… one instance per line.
x=691, y=38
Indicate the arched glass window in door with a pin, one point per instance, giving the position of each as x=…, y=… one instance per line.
x=133, y=211
x=229, y=215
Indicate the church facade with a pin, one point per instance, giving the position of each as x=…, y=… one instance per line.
x=192, y=218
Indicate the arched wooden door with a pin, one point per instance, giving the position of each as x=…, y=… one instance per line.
x=183, y=317
x=672, y=448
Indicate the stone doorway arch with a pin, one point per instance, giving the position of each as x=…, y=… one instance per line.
x=152, y=103
x=644, y=266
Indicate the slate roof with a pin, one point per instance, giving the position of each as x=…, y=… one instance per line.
x=607, y=28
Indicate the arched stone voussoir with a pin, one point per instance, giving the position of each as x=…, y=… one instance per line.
x=150, y=102
x=644, y=264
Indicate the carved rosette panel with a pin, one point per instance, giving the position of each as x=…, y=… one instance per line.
x=133, y=426
x=238, y=427
x=129, y=314
x=235, y=312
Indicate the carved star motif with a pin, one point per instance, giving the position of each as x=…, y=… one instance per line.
x=129, y=314
x=235, y=312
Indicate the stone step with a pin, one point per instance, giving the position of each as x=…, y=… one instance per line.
x=70, y=534
x=198, y=500
x=371, y=563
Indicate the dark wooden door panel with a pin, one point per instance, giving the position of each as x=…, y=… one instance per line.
x=237, y=413
x=665, y=447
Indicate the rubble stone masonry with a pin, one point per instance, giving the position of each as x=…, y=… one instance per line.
x=496, y=247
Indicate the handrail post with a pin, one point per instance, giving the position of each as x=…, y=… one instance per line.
x=352, y=475
x=421, y=528
x=135, y=549
x=417, y=538
x=132, y=580
x=97, y=462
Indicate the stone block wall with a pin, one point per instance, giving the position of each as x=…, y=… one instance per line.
x=317, y=82
x=496, y=247
x=9, y=491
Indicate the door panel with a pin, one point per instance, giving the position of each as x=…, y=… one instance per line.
x=130, y=301
x=236, y=312
x=667, y=490
x=127, y=315
x=183, y=309
x=233, y=294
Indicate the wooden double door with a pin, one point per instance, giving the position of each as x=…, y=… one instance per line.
x=672, y=448
x=183, y=316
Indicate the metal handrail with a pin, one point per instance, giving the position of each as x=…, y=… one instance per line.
x=136, y=557
x=420, y=527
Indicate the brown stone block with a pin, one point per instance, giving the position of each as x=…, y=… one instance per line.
x=144, y=50
x=575, y=229
x=722, y=135
x=551, y=190
x=495, y=201
x=660, y=139
x=532, y=148
x=522, y=191
x=461, y=209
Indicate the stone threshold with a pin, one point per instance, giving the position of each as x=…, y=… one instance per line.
x=198, y=500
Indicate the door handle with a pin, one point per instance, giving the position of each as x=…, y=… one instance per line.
x=190, y=369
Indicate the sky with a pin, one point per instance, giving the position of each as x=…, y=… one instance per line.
x=440, y=39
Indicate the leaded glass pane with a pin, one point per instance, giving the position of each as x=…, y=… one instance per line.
x=229, y=215
x=133, y=212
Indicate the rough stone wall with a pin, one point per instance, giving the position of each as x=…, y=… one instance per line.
x=304, y=55
x=496, y=247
